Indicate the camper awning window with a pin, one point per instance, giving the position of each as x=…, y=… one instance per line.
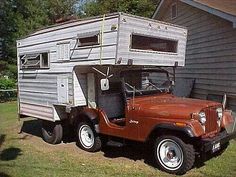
x=141, y=42
x=38, y=60
x=30, y=61
x=88, y=39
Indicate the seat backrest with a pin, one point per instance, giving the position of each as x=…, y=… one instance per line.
x=112, y=104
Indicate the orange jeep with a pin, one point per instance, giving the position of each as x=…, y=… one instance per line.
x=138, y=105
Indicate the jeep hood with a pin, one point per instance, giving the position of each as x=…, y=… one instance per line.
x=169, y=106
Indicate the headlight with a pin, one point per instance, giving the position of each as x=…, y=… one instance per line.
x=219, y=113
x=202, y=118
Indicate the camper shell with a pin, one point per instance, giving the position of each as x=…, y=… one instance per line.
x=49, y=59
x=108, y=78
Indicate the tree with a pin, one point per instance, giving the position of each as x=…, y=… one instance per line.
x=18, y=18
x=60, y=9
x=21, y=17
x=137, y=7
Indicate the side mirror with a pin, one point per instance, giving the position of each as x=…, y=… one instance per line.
x=104, y=84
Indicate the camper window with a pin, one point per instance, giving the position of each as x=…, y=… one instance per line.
x=141, y=42
x=38, y=60
x=44, y=60
x=88, y=41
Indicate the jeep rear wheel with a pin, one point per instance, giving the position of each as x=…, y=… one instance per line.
x=173, y=155
x=87, y=138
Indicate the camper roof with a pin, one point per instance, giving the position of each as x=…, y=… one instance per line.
x=76, y=22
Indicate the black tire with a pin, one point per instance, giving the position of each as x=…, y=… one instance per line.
x=52, y=132
x=180, y=150
x=93, y=142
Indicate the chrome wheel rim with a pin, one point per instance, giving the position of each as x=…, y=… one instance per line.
x=86, y=136
x=170, y=154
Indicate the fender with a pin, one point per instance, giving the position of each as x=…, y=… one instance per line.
x=186, y=130
x=90, y=114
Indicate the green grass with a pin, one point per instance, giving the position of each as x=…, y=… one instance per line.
x=26, y=155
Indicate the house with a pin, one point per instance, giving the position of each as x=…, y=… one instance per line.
x=211, y=45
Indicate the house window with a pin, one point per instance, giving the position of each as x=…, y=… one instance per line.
x=88, y=39
x=36, y=61
x=173, y=11
x=63, y=51
x=141, y=42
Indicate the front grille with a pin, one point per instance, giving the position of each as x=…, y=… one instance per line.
x=211, y=123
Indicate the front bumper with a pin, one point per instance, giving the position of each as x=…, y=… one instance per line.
x=214, y=144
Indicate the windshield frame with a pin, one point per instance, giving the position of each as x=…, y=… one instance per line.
x=144, y=92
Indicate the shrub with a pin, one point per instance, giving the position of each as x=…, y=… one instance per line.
x=7, y=84
x=7, y=95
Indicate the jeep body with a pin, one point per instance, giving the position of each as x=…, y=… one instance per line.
x=151, y=113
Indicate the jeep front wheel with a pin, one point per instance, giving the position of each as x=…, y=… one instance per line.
x=87, y=138
x=173, y=155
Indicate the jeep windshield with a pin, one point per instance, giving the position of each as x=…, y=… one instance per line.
x=146, y=82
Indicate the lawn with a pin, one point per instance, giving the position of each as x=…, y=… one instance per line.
x=25, y=154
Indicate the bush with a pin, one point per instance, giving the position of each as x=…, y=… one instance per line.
x=6, y=84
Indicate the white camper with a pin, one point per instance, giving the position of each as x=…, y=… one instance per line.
x=49, y=60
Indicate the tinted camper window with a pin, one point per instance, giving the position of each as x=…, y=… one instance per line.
x=87, y=41
x=153, y=44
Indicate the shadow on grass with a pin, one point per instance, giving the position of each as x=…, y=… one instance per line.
x=4, y=174
x=10, y=154
x=134, y=151
x=32, y=127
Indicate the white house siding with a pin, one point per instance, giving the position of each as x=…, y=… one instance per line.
x=211, y=52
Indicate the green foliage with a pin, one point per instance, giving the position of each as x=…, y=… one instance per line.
x=57, y=9
x=137, y=7
x=7, y=83
x=7, y=95
x=9, y=70
x=21, y=17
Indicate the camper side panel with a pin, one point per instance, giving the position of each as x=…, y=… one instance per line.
x=130, y=26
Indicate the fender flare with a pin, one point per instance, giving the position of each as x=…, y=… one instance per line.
x=91, y=115
x=186, y=130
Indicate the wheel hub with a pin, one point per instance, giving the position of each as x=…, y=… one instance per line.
x=86, y=136
x=171, y=154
